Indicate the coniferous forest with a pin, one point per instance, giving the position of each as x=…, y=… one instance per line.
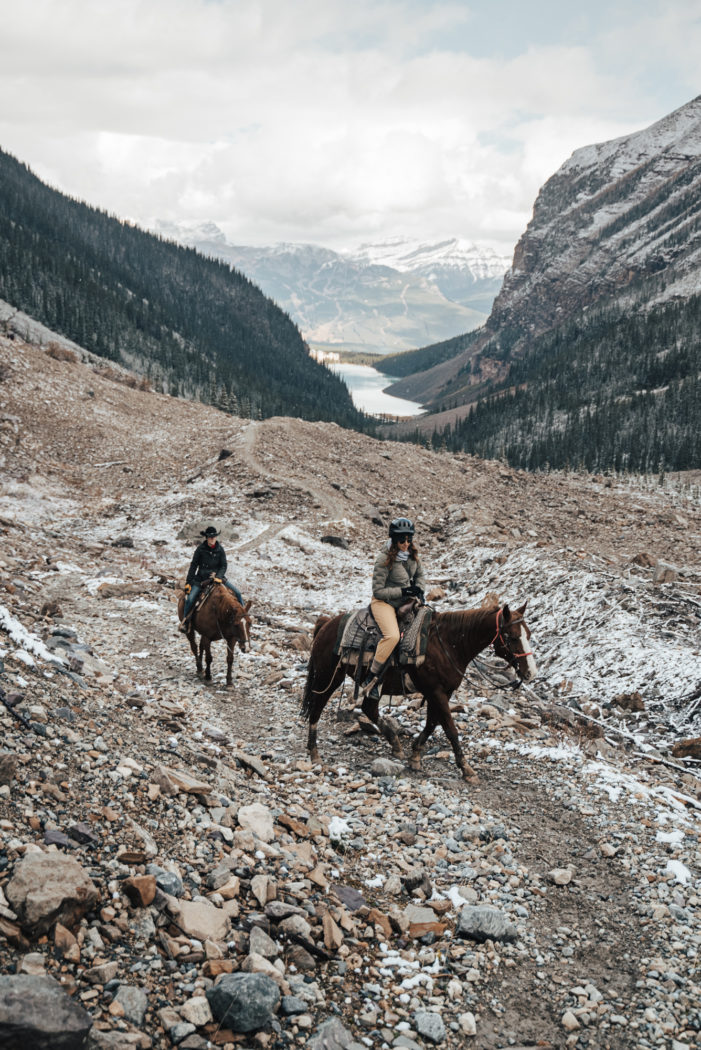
x=613, y=389
x=193, y=326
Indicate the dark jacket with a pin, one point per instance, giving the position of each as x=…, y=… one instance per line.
x=387, y=582
x=205, y=561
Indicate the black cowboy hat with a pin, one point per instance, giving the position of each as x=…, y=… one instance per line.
x=209, y=531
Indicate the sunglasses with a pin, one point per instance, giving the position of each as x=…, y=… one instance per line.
x=403, y=539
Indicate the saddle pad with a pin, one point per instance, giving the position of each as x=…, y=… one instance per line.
x=358, y=631
x=355, y=628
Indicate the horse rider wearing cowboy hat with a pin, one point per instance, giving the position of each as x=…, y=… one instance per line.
x=397, y=578
x=209, y=560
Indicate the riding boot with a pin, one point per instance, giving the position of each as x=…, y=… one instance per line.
x=371, y=686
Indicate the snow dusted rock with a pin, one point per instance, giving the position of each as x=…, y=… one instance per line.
x=244, y=1002
x=258, y=819
x=482, y=922
x=36, y=1012
x=664, y=573
x=46, y=887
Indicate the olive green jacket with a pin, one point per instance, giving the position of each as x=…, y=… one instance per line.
x=387, y=582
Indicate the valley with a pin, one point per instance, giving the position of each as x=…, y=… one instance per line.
x=356, y=889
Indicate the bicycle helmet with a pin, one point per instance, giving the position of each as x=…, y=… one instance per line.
x=401, y=527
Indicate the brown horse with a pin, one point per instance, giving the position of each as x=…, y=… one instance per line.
x=219, y=616
x=454, y=639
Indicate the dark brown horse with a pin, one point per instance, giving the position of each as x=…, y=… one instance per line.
x=219, y=616
x=454, y=639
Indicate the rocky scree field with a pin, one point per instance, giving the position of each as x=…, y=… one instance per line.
x=174, y=872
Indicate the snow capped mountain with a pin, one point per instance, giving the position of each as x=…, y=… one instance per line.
x=380, y=298
x=482, y=263
x=617, y=216
x=600, y=307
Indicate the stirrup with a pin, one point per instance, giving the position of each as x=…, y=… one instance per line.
x=371, y=686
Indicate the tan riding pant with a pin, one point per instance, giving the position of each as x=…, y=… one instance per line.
x=386, y=616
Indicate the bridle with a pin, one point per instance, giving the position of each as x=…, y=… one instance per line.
x=506, y=640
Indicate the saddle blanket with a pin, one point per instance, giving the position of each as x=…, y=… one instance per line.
x=358, y=635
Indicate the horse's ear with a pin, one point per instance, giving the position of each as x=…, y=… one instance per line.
x=247, y=606
x=506, y=614
x=522, y=610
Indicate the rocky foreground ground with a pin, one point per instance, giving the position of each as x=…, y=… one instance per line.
x=173, y=871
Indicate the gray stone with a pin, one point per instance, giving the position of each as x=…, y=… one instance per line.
x=134, y=1002
x=263, y=945
x=482, y=922
x=36, y=1012
x=180, y=1031
x=167, y=881
x=244, y=1002
x=291, y=1004
x=430, y=1025
x=385, y=767
x=331, y=1035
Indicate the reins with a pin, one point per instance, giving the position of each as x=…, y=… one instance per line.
x=497, y=637
x=500, y=637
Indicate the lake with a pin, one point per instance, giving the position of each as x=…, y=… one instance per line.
x=365, y=385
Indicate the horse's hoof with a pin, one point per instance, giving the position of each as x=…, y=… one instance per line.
x=414, y=765
x=469, y=775
x=315, y=758
x=398, y=752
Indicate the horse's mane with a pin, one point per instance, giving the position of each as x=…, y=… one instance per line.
x=225, y=598
x=466, y=620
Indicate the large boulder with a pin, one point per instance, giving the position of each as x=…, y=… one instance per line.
x=36, y=1012
x=49, y=887
x=244, y=1002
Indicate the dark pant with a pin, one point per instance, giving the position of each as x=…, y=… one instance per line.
x=197, y=587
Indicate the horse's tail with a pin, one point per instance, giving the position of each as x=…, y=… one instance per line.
x=309, y=692
x=305, y=709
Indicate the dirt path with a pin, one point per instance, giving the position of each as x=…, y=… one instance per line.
x=332, y=506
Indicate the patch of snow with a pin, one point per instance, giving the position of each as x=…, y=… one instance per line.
x=24, y=640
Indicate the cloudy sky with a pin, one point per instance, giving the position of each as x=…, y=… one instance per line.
x=332, y=121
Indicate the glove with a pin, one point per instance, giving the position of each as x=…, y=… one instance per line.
x=188, y=588
x=409, y=592
x=419, y=593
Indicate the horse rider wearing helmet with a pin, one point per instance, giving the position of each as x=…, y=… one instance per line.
x=397, y=577
x=208, y=561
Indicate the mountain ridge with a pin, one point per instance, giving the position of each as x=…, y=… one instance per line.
x=614, y=242
x=376, y=298
x=188, y=324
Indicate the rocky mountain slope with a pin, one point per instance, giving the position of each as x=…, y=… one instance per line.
x=173, y=871
x=611, y=259
x=379, y=299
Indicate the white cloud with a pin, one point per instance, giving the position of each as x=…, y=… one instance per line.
x=333, y=122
